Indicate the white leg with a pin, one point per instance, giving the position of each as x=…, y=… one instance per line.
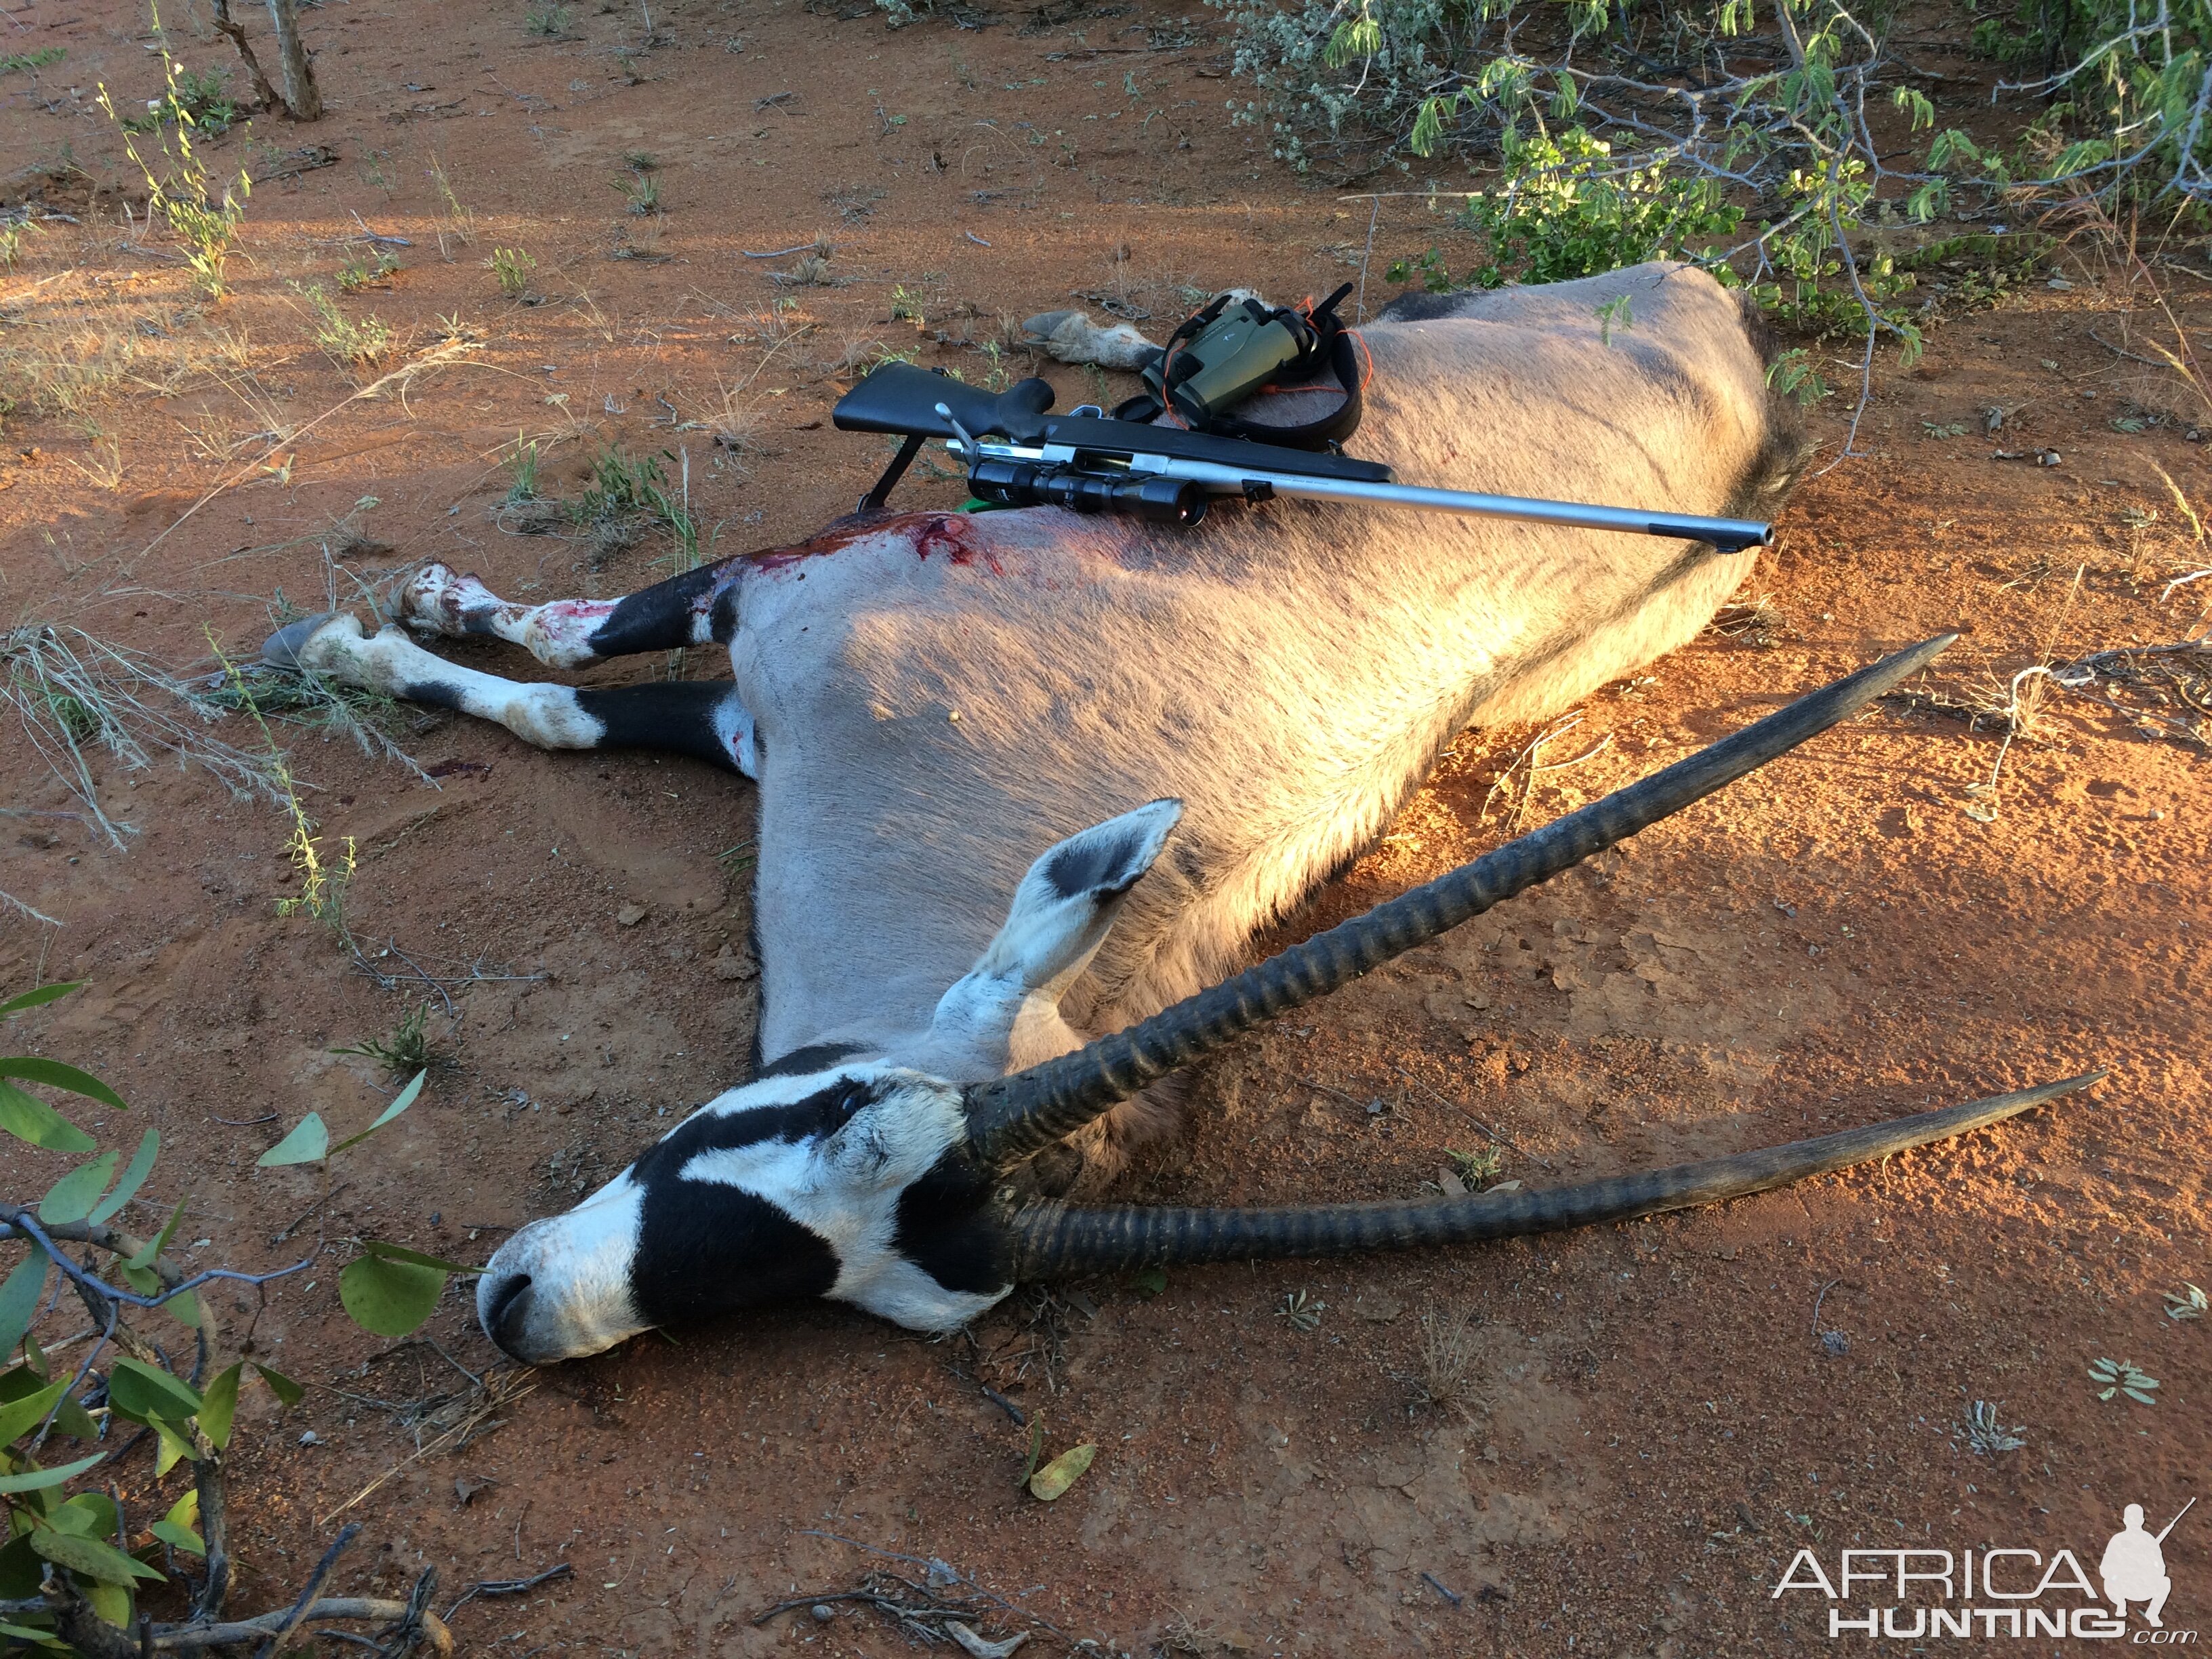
x=690, y=717
x=569, y=633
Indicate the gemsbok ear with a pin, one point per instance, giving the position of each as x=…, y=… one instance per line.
x=1066, y=905
x=1061, y=914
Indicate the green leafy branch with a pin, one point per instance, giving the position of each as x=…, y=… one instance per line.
x=387, y=1289
x=70, y=1573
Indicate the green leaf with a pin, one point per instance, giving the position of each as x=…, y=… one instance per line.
x=1036, y=1447
x=148, y=1252
x=171, y=1448
x=390, y=1298
x=177, y=1537
x=40, y=1480
x=220, y=1405
x=134, y=1177
x=308, y=1144
x=142, y=1392
x=71, y=1198
x=113, y=1602
x=71, y=1419
x=185, y=1309
x=377, y=1246
x=1057, y=1476
x=182, y=1515
x=288, y=1393
x=88, y=1515
x=55, y=1075
x=33, y=998
x=29, y=1118
x=19, y=1417
x=19, y=1299
x=1149, y=1282
x=20, y=1571
x=25, y=1633
x=406, y=1098
x=101, y=1562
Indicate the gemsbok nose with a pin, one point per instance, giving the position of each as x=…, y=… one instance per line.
x=504, y=1306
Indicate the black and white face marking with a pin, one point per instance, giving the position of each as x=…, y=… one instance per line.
x=851, y=1182
x=835, y=1173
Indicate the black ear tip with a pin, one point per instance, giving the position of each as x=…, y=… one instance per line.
x=1096, y=866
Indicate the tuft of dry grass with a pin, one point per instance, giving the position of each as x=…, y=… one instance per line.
x=735, y=425
x=76, y=337
x=2021, y=702
x=76, y=695
x=1447, y=1358
x=1757, y=621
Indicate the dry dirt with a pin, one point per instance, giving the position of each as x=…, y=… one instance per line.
x=1650, y=1423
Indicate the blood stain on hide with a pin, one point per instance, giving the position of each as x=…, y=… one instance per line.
x=952, y=534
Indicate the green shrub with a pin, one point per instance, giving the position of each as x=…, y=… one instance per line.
x=1767, y=140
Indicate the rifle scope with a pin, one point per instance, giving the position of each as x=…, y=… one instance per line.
x=1027, y=483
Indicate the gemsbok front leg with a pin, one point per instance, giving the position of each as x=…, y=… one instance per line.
x=702, y=718
x=696, y=608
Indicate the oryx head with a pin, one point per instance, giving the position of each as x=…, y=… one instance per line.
x=881, y=1179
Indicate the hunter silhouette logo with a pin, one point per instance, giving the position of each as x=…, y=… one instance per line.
x=1998, y=1592
x=2134, y=1567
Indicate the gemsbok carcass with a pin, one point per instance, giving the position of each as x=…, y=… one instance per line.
x=1026, y=778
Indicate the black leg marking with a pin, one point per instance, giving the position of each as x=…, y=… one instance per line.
x=660, y=617
x=698, y=718
x=434, y=693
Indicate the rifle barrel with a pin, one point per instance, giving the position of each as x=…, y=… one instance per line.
x=2176, y=1522
x=1729, y=535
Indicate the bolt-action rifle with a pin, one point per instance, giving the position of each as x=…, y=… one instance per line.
x=1018, y=455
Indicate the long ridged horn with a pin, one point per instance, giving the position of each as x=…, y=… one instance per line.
x=1010, y=1117
x=1050, y=1239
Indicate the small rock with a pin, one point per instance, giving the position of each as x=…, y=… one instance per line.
x=311, y=1438
x=729, y=965
x=822, y=1612
x=465, y=1490
x=630, y=914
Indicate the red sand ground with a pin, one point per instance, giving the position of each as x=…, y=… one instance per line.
x=1650, y=1426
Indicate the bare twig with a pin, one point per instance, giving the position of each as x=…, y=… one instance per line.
x=306, y=1598
x=1502, y=1139
x=509, y=1586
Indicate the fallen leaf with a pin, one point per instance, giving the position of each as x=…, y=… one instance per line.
x=1057, y=1476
